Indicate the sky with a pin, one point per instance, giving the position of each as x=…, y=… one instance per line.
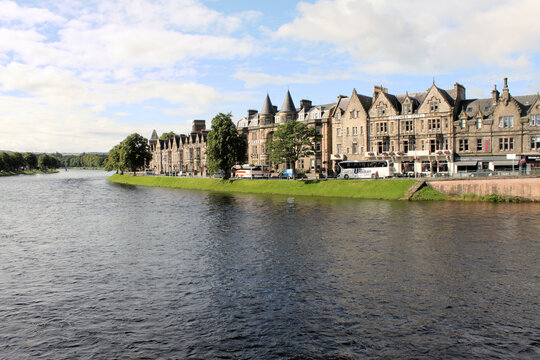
x=80, y=76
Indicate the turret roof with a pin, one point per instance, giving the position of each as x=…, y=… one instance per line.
x=267, y=108
x=288, y=104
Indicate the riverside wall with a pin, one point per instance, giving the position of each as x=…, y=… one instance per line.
x=523, y=187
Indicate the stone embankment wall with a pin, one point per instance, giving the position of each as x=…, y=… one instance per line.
x=526, y=188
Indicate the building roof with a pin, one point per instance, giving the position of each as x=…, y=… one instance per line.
x=288, y=104
x=268, y=108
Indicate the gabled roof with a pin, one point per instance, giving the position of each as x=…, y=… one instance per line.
x=288, y=104
x=267, y=108
x=525, y=102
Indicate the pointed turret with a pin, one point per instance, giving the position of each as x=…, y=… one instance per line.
x=268, y=108
x=154, y=136
x=288, y=104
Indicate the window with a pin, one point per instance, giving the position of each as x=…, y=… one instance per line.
x=289, y=118
x=318, y=130
x=339, y=148
x=392, y=127
x=355, y=148
x=407, y=109
x=506, y=144
x=506, y=121
x=478, y=144
x=445, y=123
x=463, y=123
x=405, y=146
x=355, y=130
x=463, y=145
x=254, y=135
x=382, y=127
x=422, y=145
x=434, y=124
x=318, y=147
x=348, y=151
x=422, y=125
x=338, y=130
x=479, y=123
x=381, y=111
x=382, y=146
x=535, y=142
x=348, y=132
x=254, y=149
x=537, y=122
x=435, y=144
x=407, y=126
x=434, y=106
x=361, y=130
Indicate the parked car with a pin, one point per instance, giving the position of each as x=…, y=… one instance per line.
x=288, y=174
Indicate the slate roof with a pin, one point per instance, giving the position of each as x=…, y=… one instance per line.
x=267, y=108
x=288, y=104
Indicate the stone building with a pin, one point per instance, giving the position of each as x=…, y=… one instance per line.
x=186, y=153
x=260, y=127
x=437, y=131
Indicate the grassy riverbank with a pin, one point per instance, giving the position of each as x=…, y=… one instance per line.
x=392, y=189
x=27, y=172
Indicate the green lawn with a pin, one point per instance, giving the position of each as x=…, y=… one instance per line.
x=391, y=189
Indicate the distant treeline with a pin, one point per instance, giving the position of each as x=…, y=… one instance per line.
x=84, y=160
x=17, y=162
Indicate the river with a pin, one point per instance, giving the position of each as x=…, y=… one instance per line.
x=92, y=269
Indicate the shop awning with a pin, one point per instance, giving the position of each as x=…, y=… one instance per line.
x=466, y=163
x=505, y=162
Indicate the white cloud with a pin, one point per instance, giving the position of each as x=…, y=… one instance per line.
x=28, y=16
x=423, y=36
x=73, y=62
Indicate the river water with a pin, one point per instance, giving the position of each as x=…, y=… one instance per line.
x=91, y=269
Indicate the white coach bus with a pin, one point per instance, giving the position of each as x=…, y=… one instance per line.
x=370, y=169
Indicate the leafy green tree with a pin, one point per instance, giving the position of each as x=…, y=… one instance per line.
x=6, y=162
x=113, y=160
x=4, y=166
x=225, y=147
x=31, y=160
x=135, y=152
x=17, y=161
x=292, y=141
x=167, y=135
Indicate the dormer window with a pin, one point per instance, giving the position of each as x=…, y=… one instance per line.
x=381, y=111
x=463, y=123
x=407, y=108
x=434, y=106
x=469, y=109
x=479, y=123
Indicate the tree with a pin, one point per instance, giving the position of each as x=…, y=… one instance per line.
x=225, y=147
x=167, y=135
x=292, y=141
x=31, y=160
x=113, y=160
x=17, y=161
x=135, y=152
x=6, y=162
x=46, y=161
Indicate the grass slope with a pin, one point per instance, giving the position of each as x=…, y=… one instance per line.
x=366, y=189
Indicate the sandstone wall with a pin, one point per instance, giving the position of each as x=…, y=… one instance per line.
x=528, y=188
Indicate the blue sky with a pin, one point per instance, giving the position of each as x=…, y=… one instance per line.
x=82, y=75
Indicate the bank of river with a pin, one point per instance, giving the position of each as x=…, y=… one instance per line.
x=27, y=172
x=388, y=189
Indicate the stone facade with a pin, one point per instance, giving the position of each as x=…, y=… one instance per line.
x=438, y=131
x=431, y=132
x=259, y=129
x=180, y=153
